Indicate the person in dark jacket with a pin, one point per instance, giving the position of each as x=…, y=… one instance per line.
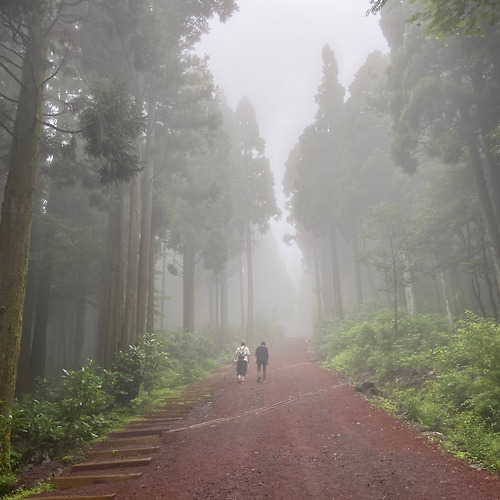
x=262, y=360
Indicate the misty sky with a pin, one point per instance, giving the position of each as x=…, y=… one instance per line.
x=270, y=52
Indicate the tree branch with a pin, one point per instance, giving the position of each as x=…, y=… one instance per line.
x=55, y=127
x=11, y=62
x=6, y=129
x=7, y=70
x=3, y=96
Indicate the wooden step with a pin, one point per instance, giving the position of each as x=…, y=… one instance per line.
x=123, y=442
x=75, y=481
x=162, y=414
x=153, y=421
x=123, y=452
x=111, y=464
x=82, y=497
x=172, y=413
x=153, y=431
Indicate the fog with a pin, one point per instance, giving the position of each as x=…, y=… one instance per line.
x=138, y=210
x=270, y=52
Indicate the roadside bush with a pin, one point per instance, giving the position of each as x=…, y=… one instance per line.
x=137, y=368
x=445, y=378
x=60, y=415
x=57, y=416
x=375, y=351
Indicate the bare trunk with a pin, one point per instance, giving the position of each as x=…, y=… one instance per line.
x=150, y=320
x=24, y=381
x=242, y=290
x=114, y=325
x=15, y=222
x=250, y=325
x=224, y=316
x=80, y=316
x=444, y=292
x=337, y=291
x=39, y=344
x=490, y=221
x=145, y=240
x=357, y=267
x=130, y=315
x=317, y=278
x=188, y=290
x=163, y=290
x=409, y=290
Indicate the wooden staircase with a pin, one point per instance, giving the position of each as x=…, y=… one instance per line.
x=132, y=447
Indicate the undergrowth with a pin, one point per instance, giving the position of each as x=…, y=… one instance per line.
x=444, y=377
x=61, y=415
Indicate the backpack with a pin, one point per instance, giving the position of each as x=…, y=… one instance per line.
x=241, y=353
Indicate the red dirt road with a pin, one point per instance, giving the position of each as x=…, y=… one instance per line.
x=301, y=435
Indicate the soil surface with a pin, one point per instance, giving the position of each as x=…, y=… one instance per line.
x=303, y=434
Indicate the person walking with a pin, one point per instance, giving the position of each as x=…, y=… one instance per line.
x=262, y=359
x=241, y=359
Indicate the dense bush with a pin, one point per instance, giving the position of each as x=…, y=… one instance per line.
x=447, y=378
x=60, y=415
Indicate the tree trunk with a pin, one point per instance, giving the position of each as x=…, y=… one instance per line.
x=224, y=316
x=326, y=274
x=188, y=290
x=150, y=320
x=317, y=278
x=212, y=304
x=163, y=290
x=129, y=335
x=242, y=290
x=114, y=325
x=15, y=222
x=337, y=291
x=80, y=315
x=24, y=381
x=491, y=225
x=39, y=345
x=409, y=289
x=250, y=325
x=357, y=267
x=145, y=239
x=444, y=292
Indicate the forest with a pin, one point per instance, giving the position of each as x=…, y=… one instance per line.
x=136, y=201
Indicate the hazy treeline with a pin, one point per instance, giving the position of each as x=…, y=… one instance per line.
x=120, y=165
x=393, y=189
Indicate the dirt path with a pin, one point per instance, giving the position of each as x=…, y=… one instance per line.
x=301, y=435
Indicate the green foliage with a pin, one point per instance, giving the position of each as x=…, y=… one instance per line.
x=445, y=378
x=57, y=416
x=372, y=346
x=189, y=356
x=136, y=368
x=60, y=415
x=6, y=483
x=111, y=123
x=22, y=492
x=446, y=18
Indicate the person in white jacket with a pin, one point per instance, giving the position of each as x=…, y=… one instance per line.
x=241, y=359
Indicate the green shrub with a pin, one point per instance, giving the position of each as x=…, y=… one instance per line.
x=445, y=377
x=57, y=416
x=60, y=415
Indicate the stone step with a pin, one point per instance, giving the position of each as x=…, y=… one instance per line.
x=124, y=442
x=123, y=452
x=66, y=482
x=111, y=464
